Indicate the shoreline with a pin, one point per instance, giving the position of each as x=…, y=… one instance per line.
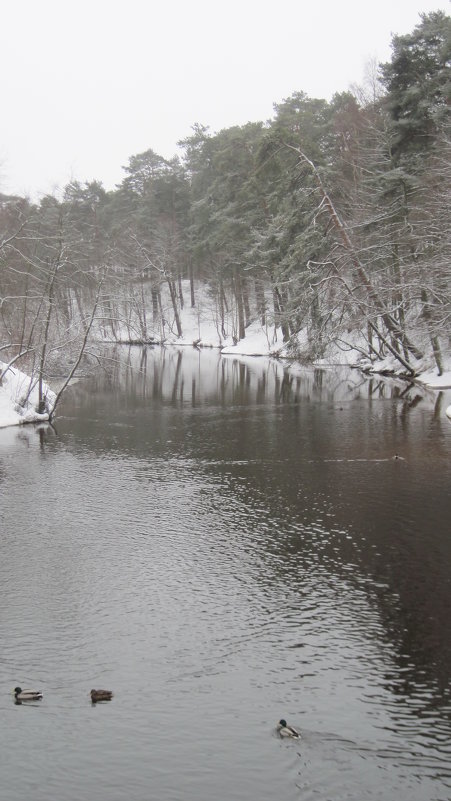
x=19, y=395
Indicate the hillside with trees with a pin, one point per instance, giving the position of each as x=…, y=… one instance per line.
x=331, y=220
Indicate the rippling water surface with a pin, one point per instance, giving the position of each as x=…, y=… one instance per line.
x=223, y=544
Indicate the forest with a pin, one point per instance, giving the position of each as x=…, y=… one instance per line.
x=331, y=221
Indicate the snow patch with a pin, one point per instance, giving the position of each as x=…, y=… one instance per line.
x=19, y=398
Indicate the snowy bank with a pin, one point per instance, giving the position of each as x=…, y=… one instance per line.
x=430, y=379
x=203, y=325
x=19, y=398
x=268, y=342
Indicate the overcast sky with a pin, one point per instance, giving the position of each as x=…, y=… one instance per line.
x=85, y=84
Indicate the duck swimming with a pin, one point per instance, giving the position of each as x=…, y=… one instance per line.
x=285, y=730
x=26, y=695
x=101, y=695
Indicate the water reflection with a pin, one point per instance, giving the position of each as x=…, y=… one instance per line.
x=236, y=539
x=157, y=373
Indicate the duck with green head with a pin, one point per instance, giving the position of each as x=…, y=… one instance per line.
x=285, y=730
x=26, y=695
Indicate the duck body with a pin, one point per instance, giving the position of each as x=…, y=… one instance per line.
x=26, y=695
x=285, y=730
x=101, y=695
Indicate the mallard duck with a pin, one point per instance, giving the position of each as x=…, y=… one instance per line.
x=26, y=695
x=287, y=731
x=101, y=695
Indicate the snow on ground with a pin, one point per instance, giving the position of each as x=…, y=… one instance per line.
x=17, y=403
x=269, y=342
x=257, y=342
x=430, y=379
x=200, y=326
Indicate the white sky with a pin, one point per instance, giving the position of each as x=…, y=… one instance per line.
x=85, y=84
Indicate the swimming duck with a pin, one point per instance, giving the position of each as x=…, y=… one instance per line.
x=287, y=731
x=26, y=695
x=101, y=695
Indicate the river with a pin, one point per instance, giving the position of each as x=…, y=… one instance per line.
x=224, y=543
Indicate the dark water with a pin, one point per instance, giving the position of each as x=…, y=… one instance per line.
x=223, y=545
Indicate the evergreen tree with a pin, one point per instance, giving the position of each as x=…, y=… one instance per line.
x=418, y=84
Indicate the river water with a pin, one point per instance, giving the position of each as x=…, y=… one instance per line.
x=223, y=543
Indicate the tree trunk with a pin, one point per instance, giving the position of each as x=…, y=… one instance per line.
x=180, y=291
x=42, y=400
x=247, y=308
x=432, y=336
x=239, y=304
x=279, y=313
x=222, y=306
x=191, y=285
x=173, y=294
x=155, y=305
x=260, y=299
x=143, y=313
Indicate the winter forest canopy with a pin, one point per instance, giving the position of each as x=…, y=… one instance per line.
x=331, y=221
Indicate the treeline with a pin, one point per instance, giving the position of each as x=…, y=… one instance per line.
x=331, y=220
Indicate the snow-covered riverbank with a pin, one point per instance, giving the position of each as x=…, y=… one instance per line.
x=200, y=326
x=19, y=397
x=18, y=404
